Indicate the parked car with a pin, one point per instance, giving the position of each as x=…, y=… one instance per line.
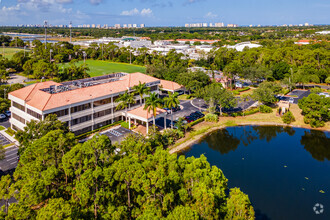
x=8, y=113
x=2, y=116
x=176, y=109
x=291, y=100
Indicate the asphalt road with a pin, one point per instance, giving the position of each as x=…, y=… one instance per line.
x=10, y=161
x=5, y=122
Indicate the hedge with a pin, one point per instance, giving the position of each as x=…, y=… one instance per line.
x=195, y=122
x=244, y=89
x=125, y=125
x=97, y=130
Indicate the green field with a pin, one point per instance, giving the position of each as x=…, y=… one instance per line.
x=99, y=67
x=9, y=52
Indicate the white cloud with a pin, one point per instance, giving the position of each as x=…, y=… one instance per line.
x=146, y=12
x=132, y=12
x=210, y=15
x=64, y=1
x=135, y=11
x=95, y=2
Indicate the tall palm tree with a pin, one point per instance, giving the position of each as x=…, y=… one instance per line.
x=124, y=101
x=141, y=89
x=151, y=104
x=172, y=101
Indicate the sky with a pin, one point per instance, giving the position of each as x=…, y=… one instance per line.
x=164, y=12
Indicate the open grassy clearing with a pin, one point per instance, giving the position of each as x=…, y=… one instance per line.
x=9, y=52
x=99, y=67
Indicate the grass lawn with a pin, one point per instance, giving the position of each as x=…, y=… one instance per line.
x=2, y=128
x=184, y=97
x=9, y=52
x=99, y=67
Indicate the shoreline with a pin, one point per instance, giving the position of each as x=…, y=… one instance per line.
x=193, y=140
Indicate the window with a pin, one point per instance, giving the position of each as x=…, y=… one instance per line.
x=102, y=102
x=115, y=98
x=21, y=107
x=153, y=88
x=16, y=128
x=61, y=112
x=18, y=118
x=80, y=107
x=102, y=113
x=82, y=131
x=81, y=120
x=34, y=114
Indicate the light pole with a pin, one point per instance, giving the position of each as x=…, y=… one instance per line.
x=24, y=51
x=50, y=55
x=70, y=26
x=45, y=24
x=84, y=54
x=4, y=93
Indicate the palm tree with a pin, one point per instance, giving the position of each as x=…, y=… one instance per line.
x=172, y=101
x=141, y=89
x=124, y=101
x=151, y=104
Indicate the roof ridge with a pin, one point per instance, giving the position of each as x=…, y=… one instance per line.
x=50, y=95
x=34, y=85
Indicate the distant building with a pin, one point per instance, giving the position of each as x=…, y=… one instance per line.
x=220, y=24
x=204, y=24
x=302, y=42
x=142, y=25
x=93, y=26
x=187, y=25
x=240, y=47
x=129, y=25
x=232, y=25
x=124, y=25
x=134, y=25
x=322, y=32
x=117, y=25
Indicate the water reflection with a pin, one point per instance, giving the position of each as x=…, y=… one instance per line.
x=317, y=144
x=268, y=133
x=222, y=141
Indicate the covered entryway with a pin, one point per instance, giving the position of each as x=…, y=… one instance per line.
x=142, y=116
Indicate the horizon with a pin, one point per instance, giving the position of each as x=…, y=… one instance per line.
x=156, y=13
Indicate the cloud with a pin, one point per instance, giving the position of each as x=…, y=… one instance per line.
x=210, y=15
x=135, y=11
x=95, y=2
x=64, y=1
x=188, y=2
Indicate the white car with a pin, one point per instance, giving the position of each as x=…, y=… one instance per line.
x=2, y=116
x=291, y=100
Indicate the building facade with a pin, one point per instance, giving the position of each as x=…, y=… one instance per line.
x=83, y=105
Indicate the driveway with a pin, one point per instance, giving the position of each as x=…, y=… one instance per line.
x=200, y=104
x=11, y=160
x=117, y=134
x=16, y=79
x=5, y=123
x=298, y=93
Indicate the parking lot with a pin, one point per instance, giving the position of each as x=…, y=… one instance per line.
x=10, y=161
x=4, y=141
x=117, y=134
x=299, y=94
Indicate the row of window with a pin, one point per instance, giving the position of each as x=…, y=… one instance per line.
x=21, y=107
x=81, y=120
x=34, y=114
x=18, y=118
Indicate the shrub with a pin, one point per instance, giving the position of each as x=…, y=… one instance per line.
x=196, y=122
x=211, y=117
x=125, y=124
x=169, y=136
x=244, y=89
x=235, y=92
x=251, y=111
x=316, y=90
x=288, y=118
x=265, y=109
x=10, y=131
x=235, y=114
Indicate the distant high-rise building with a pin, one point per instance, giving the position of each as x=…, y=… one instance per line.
x=186, y=25
x=211, y=25
x=134, y=25
x=204, y=24
x=98, y=26
x=117, y=25
x=142, y=25
x=219, y=24
x=232, y=25
x=124, y=25
x=129, y=25
x=306, y=24
x=88, y=25
x=93, y=25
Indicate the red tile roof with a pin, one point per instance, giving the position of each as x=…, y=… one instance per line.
x=169, y=85
x=41, y=100
x=140, y=112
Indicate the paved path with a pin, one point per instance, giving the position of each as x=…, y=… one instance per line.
x=10, y=161
x=16, y=79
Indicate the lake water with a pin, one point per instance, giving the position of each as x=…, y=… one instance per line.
x=285, y=171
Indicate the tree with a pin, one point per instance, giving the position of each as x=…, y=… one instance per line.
x=125, y=100
x=35, y=130
x=6, y=190
x=140, y=90
x=280, y=70
x=315, y=109
x=171, y=102
x=151, y=105
x=232, y=70
x=266, y=92
x=288, y=117
x=327, y=80
x=239, y=206
x=4, y=105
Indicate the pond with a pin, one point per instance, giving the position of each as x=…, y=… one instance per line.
x=285, y=171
